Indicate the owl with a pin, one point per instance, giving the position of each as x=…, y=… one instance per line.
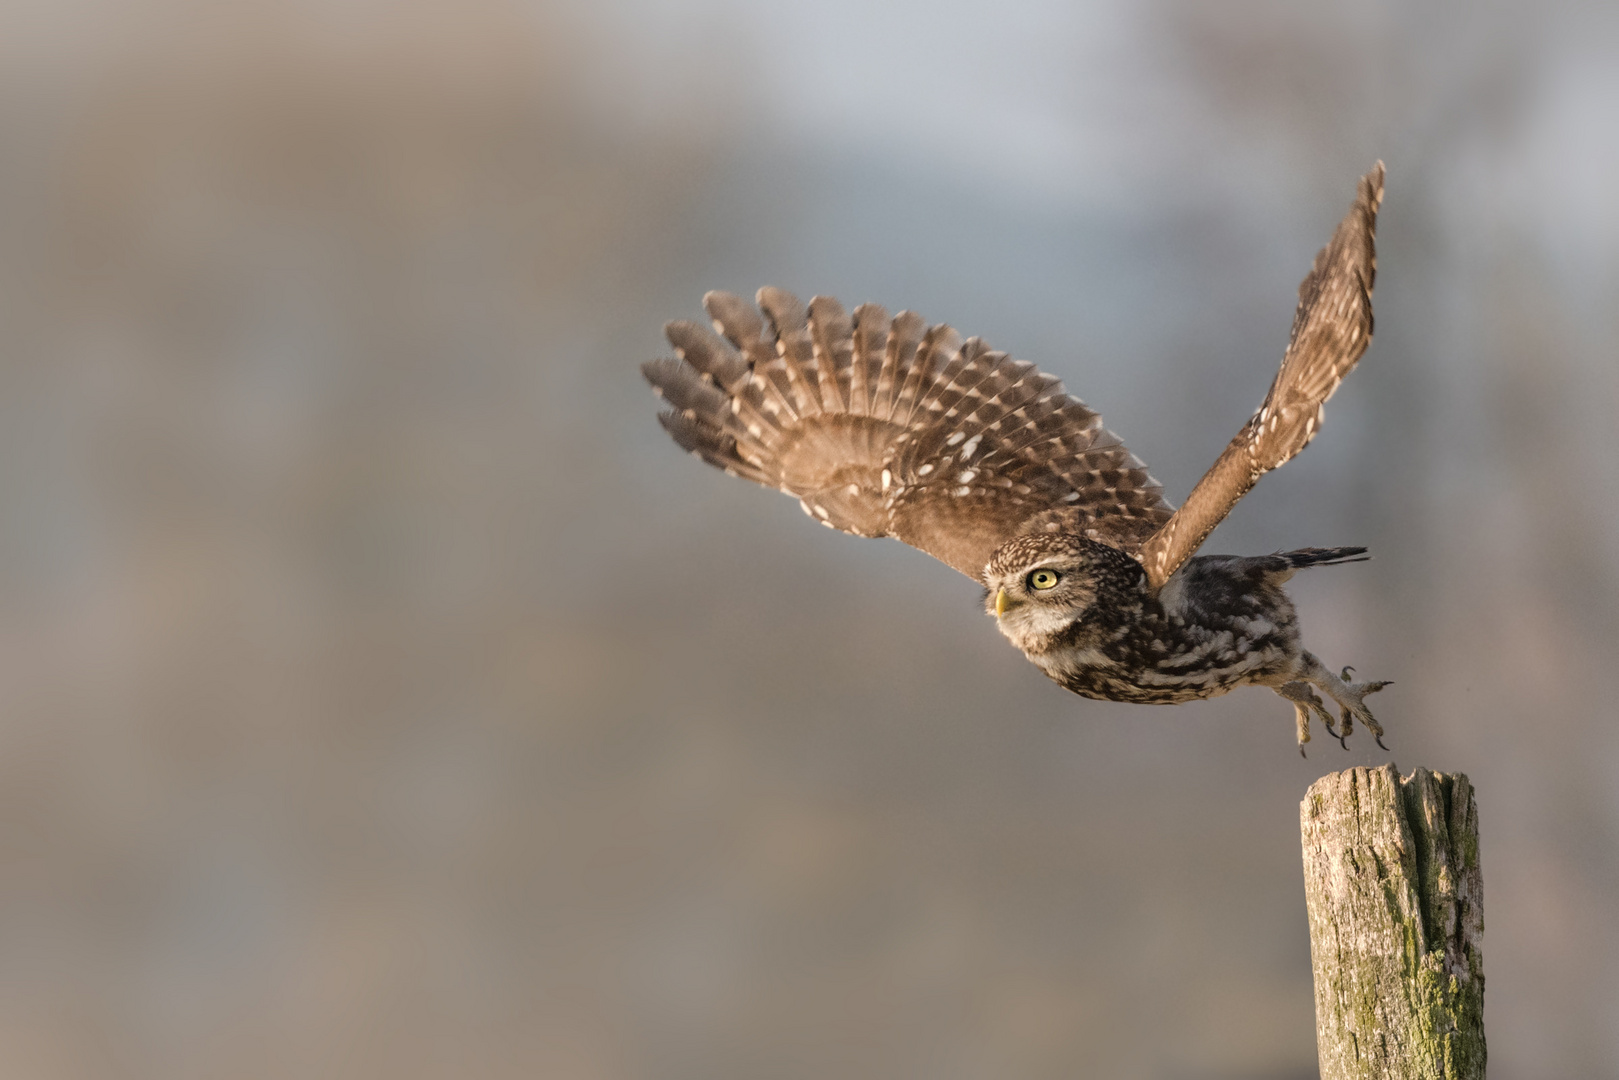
x=886, y=426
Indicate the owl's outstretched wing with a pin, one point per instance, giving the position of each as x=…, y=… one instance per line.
x=889, y=427
x=1331, y=329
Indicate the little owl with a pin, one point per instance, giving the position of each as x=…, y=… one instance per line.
x=886, y=426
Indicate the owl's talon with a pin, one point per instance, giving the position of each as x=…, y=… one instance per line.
x=1332, y=729
x=1350, y=697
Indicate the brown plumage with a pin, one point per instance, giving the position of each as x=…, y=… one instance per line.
x=889, y=427
x=1331, y=329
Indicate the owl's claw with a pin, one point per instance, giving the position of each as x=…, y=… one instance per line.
x=1351, y=700
x=1378, y=735
x=1332, y=729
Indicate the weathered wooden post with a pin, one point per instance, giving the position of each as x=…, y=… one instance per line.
x=1391, y=875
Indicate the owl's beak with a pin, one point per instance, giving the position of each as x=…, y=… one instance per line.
x=1004, y=603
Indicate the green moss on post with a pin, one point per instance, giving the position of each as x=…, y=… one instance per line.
x=1391, y=875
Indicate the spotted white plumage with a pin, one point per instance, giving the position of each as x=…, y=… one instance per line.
x=885, y=426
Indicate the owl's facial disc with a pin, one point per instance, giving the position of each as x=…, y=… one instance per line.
x=1036, y=602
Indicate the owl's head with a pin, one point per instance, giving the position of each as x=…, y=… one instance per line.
x=1041, y=585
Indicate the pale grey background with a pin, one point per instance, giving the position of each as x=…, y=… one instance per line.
x=385, y=696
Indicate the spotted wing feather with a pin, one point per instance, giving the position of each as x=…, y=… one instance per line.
x=1331, y=329
x=889, y=427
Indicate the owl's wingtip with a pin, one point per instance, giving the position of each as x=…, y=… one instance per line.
x=1371, y=186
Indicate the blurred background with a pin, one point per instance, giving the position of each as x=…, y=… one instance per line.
x=385, y=696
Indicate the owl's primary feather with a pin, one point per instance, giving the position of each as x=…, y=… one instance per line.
x=887, y=426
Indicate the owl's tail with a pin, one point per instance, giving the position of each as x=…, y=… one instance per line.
x=1335, y=556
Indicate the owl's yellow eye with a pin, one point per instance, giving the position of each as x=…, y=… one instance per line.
x=1043, y=579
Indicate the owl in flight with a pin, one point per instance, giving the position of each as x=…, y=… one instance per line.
x=886, y=426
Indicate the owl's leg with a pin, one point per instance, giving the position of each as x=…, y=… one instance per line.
x=1305, y=701
x=1350, y=696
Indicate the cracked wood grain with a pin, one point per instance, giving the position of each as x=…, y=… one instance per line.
x=1391, y=877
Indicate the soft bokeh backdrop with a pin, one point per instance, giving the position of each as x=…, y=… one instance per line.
x=384, y=696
